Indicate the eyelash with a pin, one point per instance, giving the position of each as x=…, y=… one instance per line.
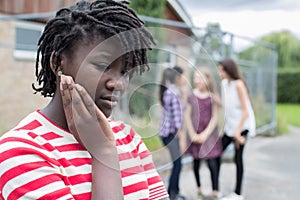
x=105, y=68
x=125, y=72
x=101, y=66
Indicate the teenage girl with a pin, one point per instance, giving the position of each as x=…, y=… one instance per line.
x=172, y=122
x=71, y=149
x=202, y=119
x=239, y=117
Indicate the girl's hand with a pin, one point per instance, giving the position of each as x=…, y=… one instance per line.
x=85, y=120
x=90, y=127
x=239, y=140
x=200, y=138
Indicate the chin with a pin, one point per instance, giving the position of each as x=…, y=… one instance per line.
x=107, y=114
x=105, y=111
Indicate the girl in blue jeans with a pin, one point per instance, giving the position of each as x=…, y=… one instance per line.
x=171, y=123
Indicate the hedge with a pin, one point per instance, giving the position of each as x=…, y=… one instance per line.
x=288, y=87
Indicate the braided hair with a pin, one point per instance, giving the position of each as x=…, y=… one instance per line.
x=86, y=22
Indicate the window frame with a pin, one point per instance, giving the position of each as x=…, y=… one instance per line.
x=26, y=54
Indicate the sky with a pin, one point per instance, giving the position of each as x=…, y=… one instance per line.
x=249, y=18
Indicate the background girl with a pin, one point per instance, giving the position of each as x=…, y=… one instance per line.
x=172, y=122
x=201, y=120
x=239, y=117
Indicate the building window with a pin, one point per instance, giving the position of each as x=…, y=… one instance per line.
x=27, y=36
x=167, y=56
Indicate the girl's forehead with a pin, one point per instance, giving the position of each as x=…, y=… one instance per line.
x=100, y=47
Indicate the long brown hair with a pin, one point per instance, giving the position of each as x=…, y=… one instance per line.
x=168, y=77
x=231, y=68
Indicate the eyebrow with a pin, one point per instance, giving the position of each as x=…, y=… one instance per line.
x=102, y=57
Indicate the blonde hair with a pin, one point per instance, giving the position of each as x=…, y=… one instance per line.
x=206, y=73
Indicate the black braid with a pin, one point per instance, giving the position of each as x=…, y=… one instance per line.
x=84, y=22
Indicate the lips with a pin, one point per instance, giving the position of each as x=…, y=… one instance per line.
x=110, y=101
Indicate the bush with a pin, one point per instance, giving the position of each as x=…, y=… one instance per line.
x=288, y=87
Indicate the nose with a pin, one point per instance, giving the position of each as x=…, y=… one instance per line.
x=116, y=83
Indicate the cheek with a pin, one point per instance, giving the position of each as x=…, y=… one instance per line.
x=221, y=74
x=124, y=82
x=91, y=81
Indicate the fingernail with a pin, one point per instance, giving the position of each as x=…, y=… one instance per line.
x=78, y=87
x=62, y=79
x=69, y=80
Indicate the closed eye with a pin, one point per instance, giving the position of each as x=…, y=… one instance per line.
x=101, y=66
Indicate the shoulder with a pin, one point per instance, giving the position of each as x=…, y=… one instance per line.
x=122, y=129
x=168, y=94
x=224, y=82
x=240, y=85
x=191, y=96
x=22, y=130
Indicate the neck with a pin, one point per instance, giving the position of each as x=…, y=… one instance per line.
x=55, y=111
x=229, y=79
x=201, y=93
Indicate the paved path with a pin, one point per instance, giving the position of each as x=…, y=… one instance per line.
x=272, y=170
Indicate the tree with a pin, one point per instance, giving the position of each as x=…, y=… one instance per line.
x=151, y=8
x=288, y=47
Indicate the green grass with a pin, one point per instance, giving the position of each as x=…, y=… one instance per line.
x=149, y=132
x=290, y=113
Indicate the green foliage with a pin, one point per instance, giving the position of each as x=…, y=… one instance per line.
x=288, y=47
x=288, y=70
x=151, y=8
x=288, y=87
x=255, y=53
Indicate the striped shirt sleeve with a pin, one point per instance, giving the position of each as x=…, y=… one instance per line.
x=28, y=172
x=156, y=187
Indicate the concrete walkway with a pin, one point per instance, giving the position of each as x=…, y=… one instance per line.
x=272, y=170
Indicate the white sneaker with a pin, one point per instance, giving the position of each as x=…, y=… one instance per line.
x=233, y=196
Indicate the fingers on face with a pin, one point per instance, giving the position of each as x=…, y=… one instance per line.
x=66, y=93
x=84, y=101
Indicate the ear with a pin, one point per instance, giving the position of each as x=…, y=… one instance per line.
x=53, y=63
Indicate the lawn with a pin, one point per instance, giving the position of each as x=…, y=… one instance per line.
x=290, y=113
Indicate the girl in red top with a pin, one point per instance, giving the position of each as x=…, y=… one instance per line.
x=70, y=149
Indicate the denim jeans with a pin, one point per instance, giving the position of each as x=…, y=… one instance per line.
x=172, y=143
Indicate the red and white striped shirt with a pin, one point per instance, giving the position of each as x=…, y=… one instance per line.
x=39, y=160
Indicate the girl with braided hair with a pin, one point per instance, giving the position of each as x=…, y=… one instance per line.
x=71, y=149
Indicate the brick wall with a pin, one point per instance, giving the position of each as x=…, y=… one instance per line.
x=16, y=95
x=33, y=6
